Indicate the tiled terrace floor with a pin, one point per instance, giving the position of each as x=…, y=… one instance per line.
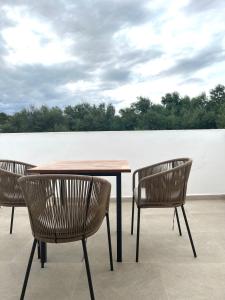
x=167, y=268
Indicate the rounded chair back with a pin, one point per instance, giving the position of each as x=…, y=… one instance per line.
x=165, y=184
x=10, y=192
x=65, y=208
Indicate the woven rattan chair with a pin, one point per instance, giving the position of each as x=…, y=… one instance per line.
x=10, y=192
x=66, y=208
x=161, y=185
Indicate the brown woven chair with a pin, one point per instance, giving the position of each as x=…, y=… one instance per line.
x=162, y=185
x=10, y=192
x=66, y=208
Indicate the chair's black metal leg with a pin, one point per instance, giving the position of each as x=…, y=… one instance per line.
x=88, y=269
x=119, y=217
x=109, y=241
x=12, y=216
x=138, y=233
x=132, y=217
x=43, y=249
x=83, y=253
x=39, y=250
x=178, y=221
x=189, y=232
x=28, y=270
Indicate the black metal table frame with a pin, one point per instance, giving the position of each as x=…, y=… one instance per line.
x=118, y=213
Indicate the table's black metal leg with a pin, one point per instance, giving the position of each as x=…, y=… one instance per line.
x=109, y=241
x=62, y=191
x=119, y=217
x=138, y=234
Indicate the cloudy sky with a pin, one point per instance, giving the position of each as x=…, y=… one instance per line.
x=61, y=52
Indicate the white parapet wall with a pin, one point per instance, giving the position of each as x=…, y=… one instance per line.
x=140, y=148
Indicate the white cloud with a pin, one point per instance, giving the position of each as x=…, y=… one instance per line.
x=31, y=41
x=60, y=52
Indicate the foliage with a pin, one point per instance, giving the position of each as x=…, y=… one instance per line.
x=174, y=112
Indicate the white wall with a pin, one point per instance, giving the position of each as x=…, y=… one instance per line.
x=140, y=148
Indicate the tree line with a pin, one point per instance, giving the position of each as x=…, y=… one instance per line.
x=174, y=112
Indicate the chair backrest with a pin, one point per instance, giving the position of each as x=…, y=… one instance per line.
x=10, y=192
x=64, y=208
x=166, y=182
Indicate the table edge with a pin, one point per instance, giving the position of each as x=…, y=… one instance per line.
x=44, y=171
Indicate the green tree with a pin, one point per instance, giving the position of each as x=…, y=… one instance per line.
x=217, y=95
x=174, y=112
x=4, y=118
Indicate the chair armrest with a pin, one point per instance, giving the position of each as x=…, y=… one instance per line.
x=27, y=167
x=133, y=178
x=149, y=170
x=9, y=174
x=146, y=181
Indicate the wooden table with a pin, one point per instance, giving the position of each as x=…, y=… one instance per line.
x=93, y=168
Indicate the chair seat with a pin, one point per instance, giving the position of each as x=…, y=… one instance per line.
x=12, y=199
x=149, y=202
x=60, y=226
